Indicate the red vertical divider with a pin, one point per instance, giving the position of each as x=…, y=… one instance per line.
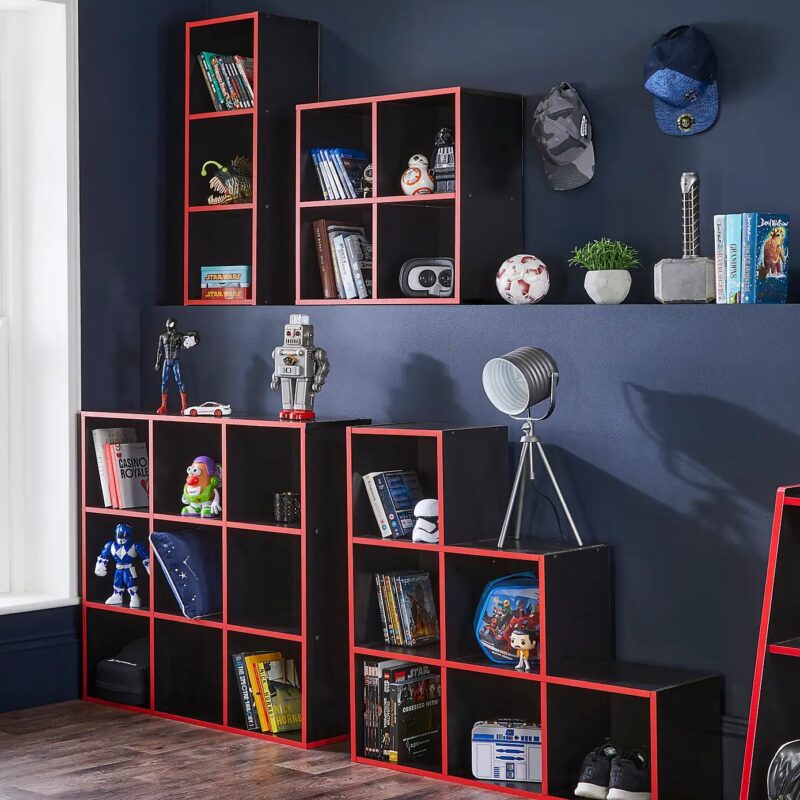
x=254, y=218
x=374, y=156
x=303, y=582
x=654, y=745
x=151, y=600
x=84, y=666
x=457, y=246
x=186, y=127
x=351, y=600
x=224, y=534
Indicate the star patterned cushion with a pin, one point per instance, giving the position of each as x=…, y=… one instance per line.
x=191, y=563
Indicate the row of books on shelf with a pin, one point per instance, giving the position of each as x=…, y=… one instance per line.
x=269, y=688
x=123, y=467
x=393, y=496
x=751, y=256
x=407, y=608
x=344, y=255
x=340, y=172
x=402, y=712
x=225, y=282
x=229, y=80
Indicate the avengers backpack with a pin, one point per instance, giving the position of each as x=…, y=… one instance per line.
x=783, y=775
x=507, y=604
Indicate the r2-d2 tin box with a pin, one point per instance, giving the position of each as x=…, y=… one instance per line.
x=507, y=750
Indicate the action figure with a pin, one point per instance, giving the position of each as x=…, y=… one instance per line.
x=523, y=642
x=443, y=161
x=124, y=551
x=201, y=496
x=170, y=344
x=300, y=369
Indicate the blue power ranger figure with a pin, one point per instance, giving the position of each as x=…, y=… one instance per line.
x=170, y=344
x=124, y=551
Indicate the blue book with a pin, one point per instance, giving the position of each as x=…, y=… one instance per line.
x=748, y=293
x=399, y=491
x=733, y=237
x=771, y=258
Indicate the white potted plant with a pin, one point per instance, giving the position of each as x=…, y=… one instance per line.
x=607, y=264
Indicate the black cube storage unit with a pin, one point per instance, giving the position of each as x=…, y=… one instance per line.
x=579, y=694
x=284, y=586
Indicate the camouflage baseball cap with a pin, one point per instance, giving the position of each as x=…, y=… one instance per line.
x=562, y=131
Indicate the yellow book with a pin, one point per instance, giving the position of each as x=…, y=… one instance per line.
x=282, y=697
x=252, y=663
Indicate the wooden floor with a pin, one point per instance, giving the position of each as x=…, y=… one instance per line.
x=82, y=751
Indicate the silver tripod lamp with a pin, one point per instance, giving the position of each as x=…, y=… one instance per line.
x=514, y=383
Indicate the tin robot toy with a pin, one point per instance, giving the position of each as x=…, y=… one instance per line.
x=124, y=551
x=301, y=369
x=170, y=344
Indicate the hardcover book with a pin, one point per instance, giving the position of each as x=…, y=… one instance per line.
x=252, y=662
x=245, y=692
x=131, y=474
x=100, y=438
x=771, y=250
x=282, y=695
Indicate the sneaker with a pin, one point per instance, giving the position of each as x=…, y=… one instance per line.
x=595, y=774
x=630, y=777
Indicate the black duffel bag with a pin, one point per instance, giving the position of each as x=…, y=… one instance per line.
x=125, y=678
x=783, y=775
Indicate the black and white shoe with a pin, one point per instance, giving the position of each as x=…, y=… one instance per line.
x=595, y=774
x=630, y=777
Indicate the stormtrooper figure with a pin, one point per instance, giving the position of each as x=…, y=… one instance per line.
x=124, y=551
x=170, y=344
x=300, y=369
x=426, y=528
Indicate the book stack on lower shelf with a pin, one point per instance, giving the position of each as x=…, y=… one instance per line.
x=270, y=692
x=469, y=708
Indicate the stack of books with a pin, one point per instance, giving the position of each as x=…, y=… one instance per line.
x=344, y=255
x=229, y=80
x=393, y=496
x=123, y=467
x=751, y=256
x=340, y=171
x=225, y=283
x=408, y=610
x=270, y=691
x=402, y=712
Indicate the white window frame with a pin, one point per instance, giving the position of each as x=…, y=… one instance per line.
x=39, y=510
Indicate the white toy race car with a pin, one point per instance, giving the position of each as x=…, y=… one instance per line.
x=208, y=410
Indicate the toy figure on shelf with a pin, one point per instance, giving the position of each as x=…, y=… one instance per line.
x=124, y=551
x=367, y=177
x=443, y=161
x=524, y=642
x=233, y=184
x=426, y=527
x=417, y=177
x=201, y=497
x=300, y=369
x=170, y=344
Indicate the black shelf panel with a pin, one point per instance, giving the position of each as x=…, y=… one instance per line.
x=631, y=675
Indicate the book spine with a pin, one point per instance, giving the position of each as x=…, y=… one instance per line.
x=344, y=179
x=223, y=86
x=375, y=502
x=230, y=81
x=333, y=175
x=258, y=698
x=262, y=676
x=209, y=79
x=719, y=257
x=218, y=93
x=385, y=700
x=100, y=458
x=240, y=65
x=733, y=235
x=236, y=79
x=352, y=244
x=324, y=258
x=404, y=612
x=112, y=474
x=386, y=602
x=244, y=691
x=348, y=282
x=315, y=158
x=382, y=609
x=367, y=710
x=748, y=260
x=398, y=631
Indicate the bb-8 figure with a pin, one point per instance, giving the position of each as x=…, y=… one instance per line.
x=300, y=369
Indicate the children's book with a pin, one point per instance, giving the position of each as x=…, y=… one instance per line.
x=720, y=273
x=282, y=695
x=100, y=438
x=733, y=241
x=131, y=474
x=252, y=662
x=771, y=249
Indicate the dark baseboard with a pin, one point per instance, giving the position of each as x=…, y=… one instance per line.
x=39, y=657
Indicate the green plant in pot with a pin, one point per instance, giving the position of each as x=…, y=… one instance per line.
x=607, y=264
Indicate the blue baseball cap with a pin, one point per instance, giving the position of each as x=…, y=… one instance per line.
x=681, y=74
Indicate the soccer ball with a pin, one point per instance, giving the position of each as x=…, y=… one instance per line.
x=522, y=279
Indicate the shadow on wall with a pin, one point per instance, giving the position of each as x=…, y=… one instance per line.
x=425, y=392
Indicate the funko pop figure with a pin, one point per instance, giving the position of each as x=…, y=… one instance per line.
x=523, y=641
x=124, y=551
x=301, y=369
x=201, y=496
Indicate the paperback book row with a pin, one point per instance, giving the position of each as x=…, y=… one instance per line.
x=340, y=172
x=123, y=467
x=229, y=284
x=229, y=80
x=270, y=692
x=402, y=712
x=344, y=255
x=393, y=496
x=751, y=257
x=407, y=608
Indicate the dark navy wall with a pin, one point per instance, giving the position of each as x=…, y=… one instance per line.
x=674, y=426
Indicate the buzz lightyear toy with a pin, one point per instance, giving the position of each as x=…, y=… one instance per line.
x=201, y=496
x=301, y=369
x=124, y=551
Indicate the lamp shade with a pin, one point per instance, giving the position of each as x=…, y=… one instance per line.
x=520, y=379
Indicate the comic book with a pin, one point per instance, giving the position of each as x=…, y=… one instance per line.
x=417, y=608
